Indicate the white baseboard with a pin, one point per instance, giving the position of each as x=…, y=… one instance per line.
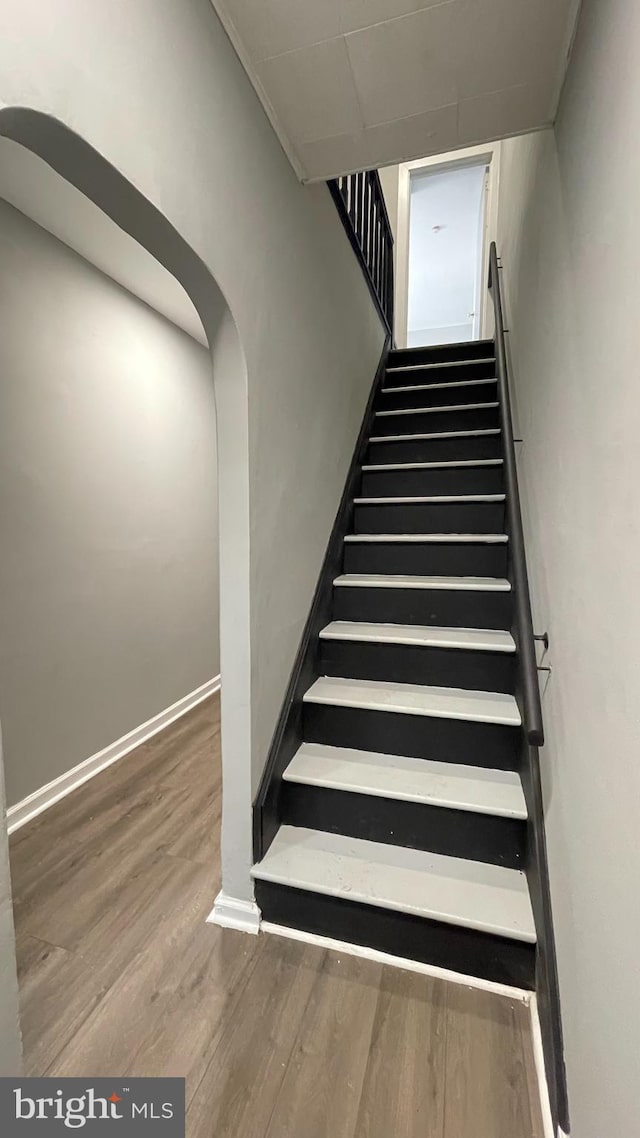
x=46, y=796
x=543, y=1086
x=232, y=913
x=520, y=994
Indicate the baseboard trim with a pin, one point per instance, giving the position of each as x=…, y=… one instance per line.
x=541, y=1072
x=34, y=804
x=523, y=995
x=233, y=913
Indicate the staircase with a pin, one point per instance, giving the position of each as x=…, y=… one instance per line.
x=401, y=821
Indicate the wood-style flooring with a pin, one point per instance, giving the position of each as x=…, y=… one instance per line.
x=120, y=975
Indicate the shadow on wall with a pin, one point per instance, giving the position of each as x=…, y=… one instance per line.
x=94, y=176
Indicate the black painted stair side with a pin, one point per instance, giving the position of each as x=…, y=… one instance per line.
x=288, y=732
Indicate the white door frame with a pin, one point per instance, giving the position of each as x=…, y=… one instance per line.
x=488, y=154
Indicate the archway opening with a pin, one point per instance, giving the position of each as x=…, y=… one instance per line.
x=105, y=190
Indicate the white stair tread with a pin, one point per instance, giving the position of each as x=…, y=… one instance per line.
x=436, y=538
x=416, y=699
x=449, y=363
x=433, y=465
x=438, y=386
x=427, y=636
x=470, y=894
x=457, y=787
x=434, y=435
x=400, y=581
x=438, y=410
x=435, y=498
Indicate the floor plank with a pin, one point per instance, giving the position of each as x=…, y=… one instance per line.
x=250, y=1055
x=120, y=975
x=180, y=1041
x=57, y=994
x=486, y=1083
x=404, y=1086
x=321, y=1089
x=141, y=971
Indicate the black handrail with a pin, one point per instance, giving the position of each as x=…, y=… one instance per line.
x=360, y=202
x=523, y=625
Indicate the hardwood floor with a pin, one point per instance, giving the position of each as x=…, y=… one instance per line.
x=120, y=975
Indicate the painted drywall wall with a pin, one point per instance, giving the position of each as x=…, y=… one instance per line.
x=569, y=234
x=109, y=572
x=10, y=1042
x=27, y=183
x=167, y=104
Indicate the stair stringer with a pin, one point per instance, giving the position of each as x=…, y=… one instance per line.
x=287, y=736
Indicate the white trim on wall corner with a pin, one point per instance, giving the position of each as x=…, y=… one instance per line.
x=233, y=913
x=543, y=1086
x=46, y=796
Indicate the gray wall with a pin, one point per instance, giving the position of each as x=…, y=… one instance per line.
x=180, y=122
x=108, y=500
x=570, y=243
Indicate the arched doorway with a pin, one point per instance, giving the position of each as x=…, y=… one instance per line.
x=102, y=184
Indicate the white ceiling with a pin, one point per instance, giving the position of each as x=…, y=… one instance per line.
x=27, y=183
x=353, y=84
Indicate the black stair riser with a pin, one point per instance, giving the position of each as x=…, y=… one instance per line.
x=430, y=421
x=430, y=517
x=446, y=480
x=415, y=374
x=491, y=745
x=448, y=608
x=466, y=951
x=434, y=450
x=415, y=664
x=417, y=825
x=421, y=396
x=433, y=559
x=441, y=353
